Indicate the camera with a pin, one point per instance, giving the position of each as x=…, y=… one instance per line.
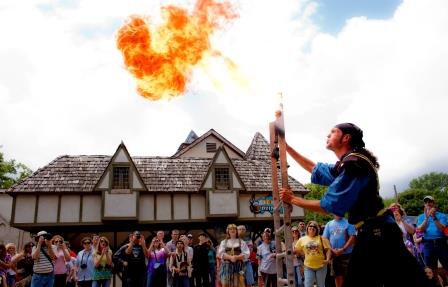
x=46, y=236
x=83, y=266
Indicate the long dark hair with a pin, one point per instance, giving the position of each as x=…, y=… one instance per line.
x=369, y=155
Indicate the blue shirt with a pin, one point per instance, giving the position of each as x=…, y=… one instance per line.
x=338, y=232
x=85, y=257
x=431, y=231
x=343, y=190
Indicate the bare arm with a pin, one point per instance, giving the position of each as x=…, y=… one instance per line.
x=286, y=195
x=300, y=159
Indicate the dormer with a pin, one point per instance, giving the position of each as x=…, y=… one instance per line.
x=222, y=185
x=120, y=185
x=206, y=146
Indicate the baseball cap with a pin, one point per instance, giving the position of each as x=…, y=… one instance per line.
x=294, y=228
x=190, y=235
x=136, y=233
x=428, y=198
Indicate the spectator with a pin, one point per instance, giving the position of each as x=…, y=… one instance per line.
x=132, y=257
x=266, y=261
x=297, y=260
x=232, y=251
x=200, y=262
x=341, y=236
x=171, y=247
x=102, y=259
x=43, y=255
x=317, y=253
x=254, y=261
x=4, y=266
x=157, y=256
x=60, y=265
x=11, y=272
x=24, y=266
x=85, y=264
x=212, y=263
x=434, y=280
x=179, y=266
x=248, y=272
x=406, y=227
x=302, y=228
x=432, y=223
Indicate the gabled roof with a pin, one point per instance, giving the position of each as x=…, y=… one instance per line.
x=204, y=136
x=68, y=174
x=258, y=149
x=222, y=150
x=73, y=174
x=121, y=147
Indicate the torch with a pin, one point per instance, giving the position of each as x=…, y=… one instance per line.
x=278, y=155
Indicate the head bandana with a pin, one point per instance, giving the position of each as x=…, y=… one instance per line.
x=355, y=132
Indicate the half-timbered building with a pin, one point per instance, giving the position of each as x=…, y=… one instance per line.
x=206, y=184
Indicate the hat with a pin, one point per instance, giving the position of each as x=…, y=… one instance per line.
x=42, y=233
x=190, y=235
x=136, y=233
x=428, y=198
x=294, y=228
x=267, y=229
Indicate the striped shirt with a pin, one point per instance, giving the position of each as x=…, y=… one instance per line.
x=43, y=265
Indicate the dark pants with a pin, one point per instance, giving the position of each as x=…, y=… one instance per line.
x=135, y=280
x=202, y=279
x=270, y=280
x=87, y=283
x=434, y=250
x=380, y=258
x=60, y=280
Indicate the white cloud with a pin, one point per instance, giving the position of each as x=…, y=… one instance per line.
x=63, y=91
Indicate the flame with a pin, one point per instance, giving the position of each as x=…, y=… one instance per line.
x=162, y=61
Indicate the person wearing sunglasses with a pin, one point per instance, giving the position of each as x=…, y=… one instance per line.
x=62, y=257
x=102, y=258
x=353, y=188
x=85, y=265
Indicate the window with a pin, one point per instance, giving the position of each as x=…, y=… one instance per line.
x=222, y=178
x=210, y=147
x=121, y=178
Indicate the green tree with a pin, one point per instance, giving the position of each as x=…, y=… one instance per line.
x=316, y=192
x=12, y=172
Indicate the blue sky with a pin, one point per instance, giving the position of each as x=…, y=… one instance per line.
x=332, y=14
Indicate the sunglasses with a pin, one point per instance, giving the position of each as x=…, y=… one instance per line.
x=58, y=241
x=87, y=242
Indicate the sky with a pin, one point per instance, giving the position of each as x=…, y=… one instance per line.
x=380, y=64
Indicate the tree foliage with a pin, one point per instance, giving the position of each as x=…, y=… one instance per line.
x=316, y=192
x=12, y=172
x=434, y=184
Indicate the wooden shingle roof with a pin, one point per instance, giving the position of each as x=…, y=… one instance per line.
x=258, y=149
x=80, y=174
x=65, y=174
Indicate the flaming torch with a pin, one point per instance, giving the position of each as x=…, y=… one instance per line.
x=161, y=60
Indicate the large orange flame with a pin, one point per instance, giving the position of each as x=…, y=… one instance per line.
x=162, y=61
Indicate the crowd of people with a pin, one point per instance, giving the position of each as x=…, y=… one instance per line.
x=321, y=256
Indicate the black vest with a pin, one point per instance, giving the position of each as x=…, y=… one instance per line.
x=369, y=202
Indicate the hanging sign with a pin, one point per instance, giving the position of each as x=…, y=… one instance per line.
x=260, y=205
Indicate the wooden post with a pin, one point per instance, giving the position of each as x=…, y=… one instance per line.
x=278, y=155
